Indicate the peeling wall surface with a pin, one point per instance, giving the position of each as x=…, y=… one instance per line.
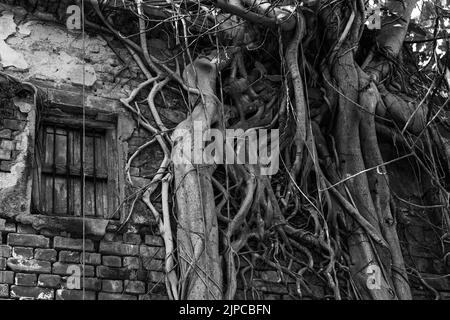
x=39, y=253
x=17, y=125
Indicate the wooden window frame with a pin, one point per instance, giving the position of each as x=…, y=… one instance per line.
x=94, y=119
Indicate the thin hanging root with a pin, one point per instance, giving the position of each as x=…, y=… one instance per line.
x=300, y=101
x=146, y=125
x=134, y=93
x=166, y=234
x=239, y=218
x=371, y=231
x=435, y=292
x=143, y=38
x=151, y=102
x=133, y=156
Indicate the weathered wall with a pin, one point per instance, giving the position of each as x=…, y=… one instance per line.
x=420, y=226
x=34, y=261
x=128, y=264
x=118, y=267
x=17, y=122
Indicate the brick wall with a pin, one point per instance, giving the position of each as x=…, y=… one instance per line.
x=118, y=267
x=34, y=264
x=12, y=124
x=424, y=251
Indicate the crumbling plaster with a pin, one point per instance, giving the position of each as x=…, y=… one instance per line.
x=34, y=49
x=51, y=57
x=10, y=180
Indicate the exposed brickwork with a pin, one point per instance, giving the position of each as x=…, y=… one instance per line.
x=65, y=294
x=113, y=286
x=118, y=248
x=49, y=280
x=25, y=279
x=22, y=253
x=12, y=123
x=39, y=269
x=73, y=244
x=30, y=240
x=38, y=264
x=112, y=261
x=31, y=293
x=45, y=254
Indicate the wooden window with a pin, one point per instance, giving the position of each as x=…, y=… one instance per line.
x=58, y=183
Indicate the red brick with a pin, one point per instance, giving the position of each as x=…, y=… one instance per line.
x=152, y=264
x=65, y=294
x=93, y=284
x=131, y=262
x=25, y=228
x=7, y=145
x=157, y=288
x=49, y=281
x=155, y=276
x=69, y=256
x=22, y=253
x=4, y=291
x=132, y=238
x=113, y=286
x=134, y=287
x=14, y=125
x=27, y=280
x=28, y=240
x=6, y=165
x=92, y=258
x=115, y=296
x=113, y=237
x=5, y=251
x=7, y=277
x=153, y=297
x=104, y=272
x=5, y=154
x=112, y=261
x=436, y=281
x=73, y=244
x=118, y=248
x=152, y=252
x=45, y=254
x=153, y=240
x=31, y=292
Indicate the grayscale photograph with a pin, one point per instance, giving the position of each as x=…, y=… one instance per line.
x=216, y=159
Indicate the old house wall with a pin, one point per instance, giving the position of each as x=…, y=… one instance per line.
x=35, y=261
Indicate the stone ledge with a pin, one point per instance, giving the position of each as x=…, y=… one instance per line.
x=72, y=225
